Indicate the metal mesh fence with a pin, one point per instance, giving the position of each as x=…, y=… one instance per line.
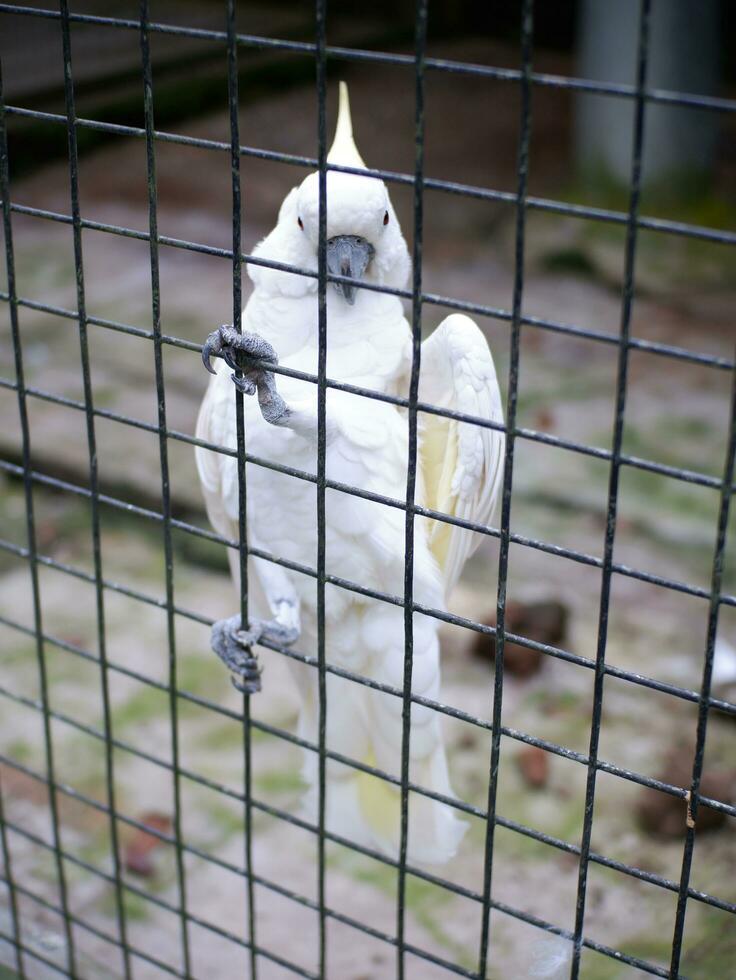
x=253, y=951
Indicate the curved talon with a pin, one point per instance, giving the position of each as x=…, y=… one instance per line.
x=250, y=357
x=250, y=685
x=248, y=638
x=234, y=347
x=212, y=345
x=246, y=385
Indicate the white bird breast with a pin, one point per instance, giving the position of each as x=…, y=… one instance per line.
x=369, y=346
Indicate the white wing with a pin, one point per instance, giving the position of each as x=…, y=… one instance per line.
x=213, y=423
x=462, y=463
x=218, y=474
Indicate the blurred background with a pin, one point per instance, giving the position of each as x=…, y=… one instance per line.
x=677, y=414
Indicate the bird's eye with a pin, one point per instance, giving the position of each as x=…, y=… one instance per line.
x=385, y=218
x=300, y=223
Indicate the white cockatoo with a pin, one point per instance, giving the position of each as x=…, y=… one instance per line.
x=460, y=472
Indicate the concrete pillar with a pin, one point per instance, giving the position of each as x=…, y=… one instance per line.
x=684, y=56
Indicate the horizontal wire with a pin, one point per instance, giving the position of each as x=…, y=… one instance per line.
x=429, y=298
x=445, y=518
x=455, y=713
x=34, y=954
x=727, y=707
x=486, y=529
x=190, y=848
x=300, y=971
x=296, y=821
x=441, y=516
x=95, y=930
x=149, y=896
x=540, y=837
x=450, y=618
x=533, y=435
x=564, y=208
x=651, y=347
x=622, y=674
x=276, y=732
x=545, y=79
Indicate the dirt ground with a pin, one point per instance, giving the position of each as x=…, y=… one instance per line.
x=677, y=414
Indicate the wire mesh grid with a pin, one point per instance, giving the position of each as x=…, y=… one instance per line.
x=254, y=952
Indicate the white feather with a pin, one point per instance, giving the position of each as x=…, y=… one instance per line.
x=463, y=462
x=724, y=662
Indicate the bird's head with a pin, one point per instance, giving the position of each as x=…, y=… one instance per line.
x=364, y=240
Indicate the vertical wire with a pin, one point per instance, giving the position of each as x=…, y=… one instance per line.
x=712, y=631
x=10, y=885
x=93, y=479
x=321, y=31
x=613, y=486
x=4, y=844
x=232, y=91
x=163, y=447
x=527, y=37
x=31, y=537
x=420, y=43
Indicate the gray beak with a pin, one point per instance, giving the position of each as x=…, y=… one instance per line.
x=348, y=255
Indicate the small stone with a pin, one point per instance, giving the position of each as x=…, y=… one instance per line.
x=137, y=856
x=47, y=534
x=521, y=661
x=664, y=815
x=467, y=741
x=533, y=763
x=545, y=420
x=545, y=622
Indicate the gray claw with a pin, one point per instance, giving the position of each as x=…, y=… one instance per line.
x=236, y=347
x=251, y=686
x=245, y=384
x=213, y=345
x=239, y=351
x=234, y=646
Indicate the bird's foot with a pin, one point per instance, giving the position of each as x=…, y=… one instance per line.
x=249, y=354
x=234, y=646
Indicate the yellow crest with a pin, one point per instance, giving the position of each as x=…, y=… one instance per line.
x=343, y=151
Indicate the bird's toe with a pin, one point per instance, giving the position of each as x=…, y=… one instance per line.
x=212, y=345
x=246, y=384
x=255, y=346
x=279, y=633
x=234, y=646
